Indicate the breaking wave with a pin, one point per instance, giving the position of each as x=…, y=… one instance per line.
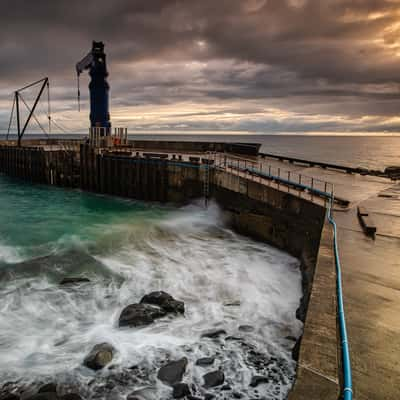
x=226, y=281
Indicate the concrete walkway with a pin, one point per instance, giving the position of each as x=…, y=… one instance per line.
x=371, y=284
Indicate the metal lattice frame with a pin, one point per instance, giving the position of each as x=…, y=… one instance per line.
x=16, y=103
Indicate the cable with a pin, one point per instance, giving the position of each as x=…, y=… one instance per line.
x=48, y=105
x=11, y=117
x=34, y=116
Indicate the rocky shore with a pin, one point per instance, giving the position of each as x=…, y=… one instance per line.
x=108, y=380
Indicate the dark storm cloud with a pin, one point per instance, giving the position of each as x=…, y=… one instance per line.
x=328, y=58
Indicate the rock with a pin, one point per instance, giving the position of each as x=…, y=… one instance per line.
x=100, y=355
x=194, y=398
x=146, y=393
x=43, y=396
x=246, y=328
x=213, y=334
x=165, y=301
x=174, y=306
x=27, y=392
x=226, y=387
x=237, y=395
x=9, y=396
x=214, y=378
x=173, y=371
x=296, y=350
x=202, y=362
x=209, y=396
x=48, y=388
x=71, y=396
x=180, y=390
x=74, y=281
x=140, y=315
x=258, y=379
x=234, y=338
x=235, y=303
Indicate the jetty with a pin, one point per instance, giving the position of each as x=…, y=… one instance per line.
x=341, y=222
x=282, y=202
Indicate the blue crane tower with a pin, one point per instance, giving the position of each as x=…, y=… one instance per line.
x=95, y=62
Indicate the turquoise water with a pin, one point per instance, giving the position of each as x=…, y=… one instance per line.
x=128, y=249
x=36, y=220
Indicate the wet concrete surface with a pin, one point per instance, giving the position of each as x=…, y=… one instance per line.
x=371, y=285
x=352, y=187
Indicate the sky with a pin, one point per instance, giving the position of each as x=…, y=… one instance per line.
x=249, y=66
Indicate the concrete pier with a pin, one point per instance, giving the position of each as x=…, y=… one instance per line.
x=273, y=207
x=371, y=275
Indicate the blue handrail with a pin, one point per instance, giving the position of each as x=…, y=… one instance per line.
x=296, y=185
x=347, y=378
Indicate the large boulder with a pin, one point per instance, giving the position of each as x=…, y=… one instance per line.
x=140, y=315
x=100, y=355
x=165, y=301
x=173, y=371
x=180, y=390
x=214, y=378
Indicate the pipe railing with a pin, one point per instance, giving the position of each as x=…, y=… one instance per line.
x=344, y=344
x=291, y=180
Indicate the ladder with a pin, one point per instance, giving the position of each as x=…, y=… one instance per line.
x=206, y=182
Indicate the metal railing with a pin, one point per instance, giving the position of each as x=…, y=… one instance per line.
x=291, y=181
x=103, y=137
x=347, y=390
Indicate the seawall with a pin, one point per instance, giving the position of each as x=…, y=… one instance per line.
x=265, y=212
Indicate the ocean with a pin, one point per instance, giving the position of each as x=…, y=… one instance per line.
x=127, y=249
x=373, y=152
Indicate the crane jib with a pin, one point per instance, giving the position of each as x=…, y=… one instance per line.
x=95, y=62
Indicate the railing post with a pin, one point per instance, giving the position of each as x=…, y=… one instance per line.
x=279, y=175
x=288, y=178
x=326, y=184
x=312, y=187
x=299, y=184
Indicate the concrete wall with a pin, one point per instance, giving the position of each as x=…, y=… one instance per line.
x=318, y=361
x=281, y=219
x=300, y=228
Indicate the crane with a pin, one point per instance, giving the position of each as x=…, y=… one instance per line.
x=95, y=62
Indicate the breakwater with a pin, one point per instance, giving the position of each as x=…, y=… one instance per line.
x=267, y=212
